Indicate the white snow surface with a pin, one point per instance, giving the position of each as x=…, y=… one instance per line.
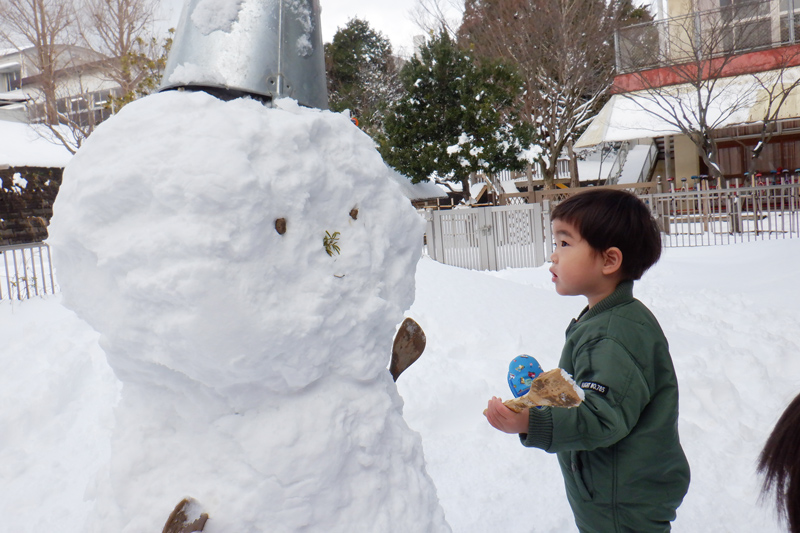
x=216, y=15
x=729, y=312
x=634, y=163
x=252, y=364
x=25, y=145
x=189, y=73
x=165, y=247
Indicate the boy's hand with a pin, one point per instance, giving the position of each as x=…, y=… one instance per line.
x=504, y=419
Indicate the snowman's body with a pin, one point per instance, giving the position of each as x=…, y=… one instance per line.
x=253, y=362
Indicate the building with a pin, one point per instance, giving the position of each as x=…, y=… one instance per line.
x=31, y=157
x=82, y=89
x=729, y=61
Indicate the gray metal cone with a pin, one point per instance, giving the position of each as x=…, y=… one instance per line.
x=266, y=48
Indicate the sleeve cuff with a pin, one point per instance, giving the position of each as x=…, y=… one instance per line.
x=540, y=429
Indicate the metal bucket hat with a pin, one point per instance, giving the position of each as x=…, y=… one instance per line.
x=268, y=49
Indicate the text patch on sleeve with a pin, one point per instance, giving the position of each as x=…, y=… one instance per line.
x=594, y=386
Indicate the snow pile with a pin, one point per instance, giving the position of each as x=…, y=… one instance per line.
x=57, y=393
x=253, y=361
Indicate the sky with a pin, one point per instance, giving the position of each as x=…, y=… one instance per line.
x=392, y=18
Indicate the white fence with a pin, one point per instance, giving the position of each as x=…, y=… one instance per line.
x=26, y=271
x=490, y=238
x=494, y=238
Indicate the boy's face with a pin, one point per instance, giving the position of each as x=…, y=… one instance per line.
x=577, y=267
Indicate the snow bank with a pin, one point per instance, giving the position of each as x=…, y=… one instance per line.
x=57, y=394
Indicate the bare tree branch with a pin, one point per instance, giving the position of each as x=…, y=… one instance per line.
x=562, y=50
x=696, y=91
x=121, y=30
x=45, y=27
x=78, y=51
x=433, y=16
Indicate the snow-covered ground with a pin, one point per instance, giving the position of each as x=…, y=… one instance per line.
x=730, y=313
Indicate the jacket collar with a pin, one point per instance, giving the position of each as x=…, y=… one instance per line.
x=622, y=294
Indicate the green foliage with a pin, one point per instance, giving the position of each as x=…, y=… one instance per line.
x=331, y=242
x=457, y=117
x=362, y=76
x=143, y=66
x=632, y=14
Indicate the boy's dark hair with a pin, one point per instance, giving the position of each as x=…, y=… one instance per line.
x=779, y=463
x=610, y=217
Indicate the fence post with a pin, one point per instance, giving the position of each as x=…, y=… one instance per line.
x=438, y=247
x=429, y=236
x=487, y=253
x=8, y=277
x=661, y=208
x=529, y=176
x=548, y=230
x=539, y=240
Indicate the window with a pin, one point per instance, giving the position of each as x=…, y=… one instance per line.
x=750, y=24
x=10, y=78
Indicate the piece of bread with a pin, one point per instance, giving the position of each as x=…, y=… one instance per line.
x=554, y=388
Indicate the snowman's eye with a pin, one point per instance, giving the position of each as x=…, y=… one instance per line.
x=354, y=213
x=280, y=225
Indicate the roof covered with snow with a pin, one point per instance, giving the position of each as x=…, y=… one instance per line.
x=424, y=190
x=22, y=145
x=645, y=114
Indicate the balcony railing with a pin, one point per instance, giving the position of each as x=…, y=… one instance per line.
x=733, y=29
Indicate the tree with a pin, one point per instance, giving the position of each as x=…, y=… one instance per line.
x=774, y=88
x=433, y=16
x=115, y=47
x=455, y=118
x=362, y=75
x=563, y=51
x=696, y=91
x=147, y=60
x=122, y=31
x=47, y=26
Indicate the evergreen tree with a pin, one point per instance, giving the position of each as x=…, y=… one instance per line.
x=362, y=75
x=455, y=118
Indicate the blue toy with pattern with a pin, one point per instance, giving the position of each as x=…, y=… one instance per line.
x=522, y=370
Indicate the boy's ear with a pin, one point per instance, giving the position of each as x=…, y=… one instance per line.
x=612, y=261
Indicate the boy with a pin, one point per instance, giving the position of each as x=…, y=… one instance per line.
x=619, y=452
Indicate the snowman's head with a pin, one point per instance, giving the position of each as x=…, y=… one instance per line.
x=234, y=244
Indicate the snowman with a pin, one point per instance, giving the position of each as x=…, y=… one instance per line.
x=246, y=267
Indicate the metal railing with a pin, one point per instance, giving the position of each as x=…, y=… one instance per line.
x=619, y=163
x=726, y=216
x=737, y=28
x=493, y=238
x=649, y=163
x=26, y=271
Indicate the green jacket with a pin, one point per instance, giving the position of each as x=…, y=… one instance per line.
x=619, y=451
